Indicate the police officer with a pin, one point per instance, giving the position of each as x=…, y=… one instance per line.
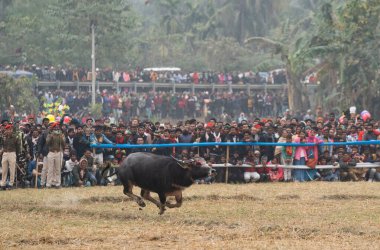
x=10, y=146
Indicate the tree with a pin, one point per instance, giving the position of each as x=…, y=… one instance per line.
x=246, y=18
x=345, y=41
x=58, y=32
x=18, y=92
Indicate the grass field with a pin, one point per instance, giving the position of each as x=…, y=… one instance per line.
x=275, y=216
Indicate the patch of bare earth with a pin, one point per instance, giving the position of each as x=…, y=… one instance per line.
x=274, y=216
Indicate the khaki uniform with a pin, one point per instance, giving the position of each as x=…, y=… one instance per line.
x=8, y=162
x=56, y=145
x=10, y=146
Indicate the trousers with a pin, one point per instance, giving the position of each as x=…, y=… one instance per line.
x=8, y=162
x=55, y=160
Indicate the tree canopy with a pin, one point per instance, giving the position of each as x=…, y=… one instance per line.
x=339, y=40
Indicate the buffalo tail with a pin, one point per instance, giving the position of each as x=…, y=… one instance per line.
x=106, y=169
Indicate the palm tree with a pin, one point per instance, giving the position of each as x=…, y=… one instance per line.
x=245, y=18
x=297, y=99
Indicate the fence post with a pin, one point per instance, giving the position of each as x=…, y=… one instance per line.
x=36, y=180
x=226, y=163
x=77, y=83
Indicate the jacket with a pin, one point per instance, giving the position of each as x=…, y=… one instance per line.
x=300, y=150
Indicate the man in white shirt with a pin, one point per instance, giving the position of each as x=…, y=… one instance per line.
x=67, y=172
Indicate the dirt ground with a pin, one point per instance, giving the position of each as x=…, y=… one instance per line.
x=218, y=216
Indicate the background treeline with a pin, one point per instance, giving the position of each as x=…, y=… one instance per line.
x=339, y=40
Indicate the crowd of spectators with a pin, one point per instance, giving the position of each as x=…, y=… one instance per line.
x=165, y=105
x=82, y=74
x=59, y=153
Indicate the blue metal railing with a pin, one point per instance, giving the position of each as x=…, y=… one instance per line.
x=208, y=144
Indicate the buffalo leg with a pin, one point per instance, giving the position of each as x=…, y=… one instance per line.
x=146, y=195
x=178, y=199
x=128, y=191
x=162, y=197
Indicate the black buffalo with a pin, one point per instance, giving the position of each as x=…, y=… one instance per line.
x=163, y=175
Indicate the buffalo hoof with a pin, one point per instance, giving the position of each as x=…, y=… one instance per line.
x=169, y=205
x=141, y=203
x=162, y=211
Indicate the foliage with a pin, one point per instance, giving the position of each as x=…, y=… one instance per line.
x=58, y=32
x=96, y=110
x=336, y=39
x=164, y=32
x=346, y=41
x=17, y=92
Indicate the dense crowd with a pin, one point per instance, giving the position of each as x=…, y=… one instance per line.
x=82, y=74
x=161, y=105
x=59, y=153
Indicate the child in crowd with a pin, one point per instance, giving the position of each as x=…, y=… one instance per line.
x=67, y=175
x=276, y=173
x=287, y=156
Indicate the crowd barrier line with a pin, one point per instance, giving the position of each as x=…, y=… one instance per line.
x=235, y=144
x=211, y=144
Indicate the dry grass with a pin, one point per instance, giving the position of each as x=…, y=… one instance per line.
x=280, y=216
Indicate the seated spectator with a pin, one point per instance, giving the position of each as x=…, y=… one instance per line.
x=34, y=172
x=67, y=175
x=328, y=174
x=251, y=174
x=236, y=173
x=92, y=172
x=81, y=176
x=112, y=177
x=277, y=173
x=264, y=170
x=373, y=174
x=347, y=168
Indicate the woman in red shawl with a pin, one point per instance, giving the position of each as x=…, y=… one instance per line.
x=312, y=153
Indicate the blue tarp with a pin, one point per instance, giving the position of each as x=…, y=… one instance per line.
x=17, y=73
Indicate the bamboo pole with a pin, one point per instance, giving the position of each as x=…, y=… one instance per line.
x=36, y=179
x=226, y=163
